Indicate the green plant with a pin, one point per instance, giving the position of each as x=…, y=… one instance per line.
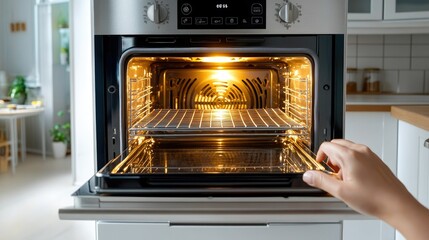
x=18, y=90
x=61, y=132
x=63, y=23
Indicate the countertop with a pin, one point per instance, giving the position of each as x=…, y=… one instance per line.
x=415, y=115
x=382, y=102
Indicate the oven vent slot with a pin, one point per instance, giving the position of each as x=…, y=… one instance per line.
x=205, y=40
x=161, y=40
x=245, y=40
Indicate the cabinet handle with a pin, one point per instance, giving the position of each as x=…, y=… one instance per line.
x=426, y=144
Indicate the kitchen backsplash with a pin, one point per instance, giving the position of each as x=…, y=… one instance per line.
x=403, y=60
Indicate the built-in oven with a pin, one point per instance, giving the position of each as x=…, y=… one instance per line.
x=213, y=97
x=209, y=107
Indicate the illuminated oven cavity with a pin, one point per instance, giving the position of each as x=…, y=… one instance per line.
x=218, y=114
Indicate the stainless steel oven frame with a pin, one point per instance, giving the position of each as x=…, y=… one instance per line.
x=146, y=28
x=325, y=51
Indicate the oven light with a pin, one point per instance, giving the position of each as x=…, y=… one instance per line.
x=222, y=75
x=296, y=73
x=220, y=59
x=220, y=166
x=220, y=79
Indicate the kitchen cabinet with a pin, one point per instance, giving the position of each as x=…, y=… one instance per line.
x=377, y=130
x=365, y=10
x=413, y=161
x=239, y=218
x=406, y=9
x=393, y=9
x=162, y=231
x=413, y=149
x=388, y=16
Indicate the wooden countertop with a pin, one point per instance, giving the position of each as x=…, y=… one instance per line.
x=415, y=115
x=367, y=108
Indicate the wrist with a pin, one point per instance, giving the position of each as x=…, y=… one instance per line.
x=410, y=218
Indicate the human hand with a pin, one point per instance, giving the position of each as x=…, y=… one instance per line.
x=363, y=181
x=367, y=185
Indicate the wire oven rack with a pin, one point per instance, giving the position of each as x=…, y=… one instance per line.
x=176, y=121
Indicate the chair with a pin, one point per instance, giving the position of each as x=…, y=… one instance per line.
x=4, y=153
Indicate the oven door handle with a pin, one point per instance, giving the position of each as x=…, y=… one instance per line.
x=215, y=225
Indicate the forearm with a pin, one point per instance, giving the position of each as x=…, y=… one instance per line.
x=411, y=220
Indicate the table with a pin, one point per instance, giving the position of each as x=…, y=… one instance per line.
x=12, y=116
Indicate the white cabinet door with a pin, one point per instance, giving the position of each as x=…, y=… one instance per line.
x=365, y=9
x=163, y=231
x=413, y=162
x=423, y=189
x=406, y=9
x=377, y=130
x=388, y=16
x=367, y=229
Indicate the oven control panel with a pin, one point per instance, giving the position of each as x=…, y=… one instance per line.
x=219, y=17
x=221, y=14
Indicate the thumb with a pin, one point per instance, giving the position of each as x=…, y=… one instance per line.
x=321, y=180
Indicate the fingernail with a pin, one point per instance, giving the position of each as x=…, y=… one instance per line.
x=308, y=177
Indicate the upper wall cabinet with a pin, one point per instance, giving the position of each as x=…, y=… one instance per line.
x=365, y=10
x=406, y=9
x=388, y=16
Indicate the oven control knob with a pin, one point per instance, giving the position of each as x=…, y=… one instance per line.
x=289, y=13
x=157, y=13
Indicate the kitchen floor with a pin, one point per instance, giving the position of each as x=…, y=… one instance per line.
x=30, y=199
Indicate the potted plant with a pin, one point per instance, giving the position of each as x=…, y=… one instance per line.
x=60, y=134
x=18, y=90
x=64, y=41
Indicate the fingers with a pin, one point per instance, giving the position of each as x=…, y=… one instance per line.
x=333, y=151
x=344, y=142
x=318, y=179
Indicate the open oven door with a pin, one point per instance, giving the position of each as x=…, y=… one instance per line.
x=233, y=168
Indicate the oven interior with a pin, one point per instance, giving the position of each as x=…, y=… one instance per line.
x=215, y=116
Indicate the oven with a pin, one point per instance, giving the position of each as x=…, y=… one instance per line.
x=204, y=98
x=213, y=110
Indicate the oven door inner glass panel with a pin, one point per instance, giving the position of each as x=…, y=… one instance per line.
x=213, y=119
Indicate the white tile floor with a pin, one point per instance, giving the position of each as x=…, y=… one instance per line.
x=30, y=199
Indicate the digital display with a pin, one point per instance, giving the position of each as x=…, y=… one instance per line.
x=226, y=14
x=222, y=5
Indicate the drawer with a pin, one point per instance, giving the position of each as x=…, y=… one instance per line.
x=162, y=231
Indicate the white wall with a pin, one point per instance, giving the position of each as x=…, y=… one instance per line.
x=2, y=32
x=83, y=146
x=402, y=59
x=17, y=55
